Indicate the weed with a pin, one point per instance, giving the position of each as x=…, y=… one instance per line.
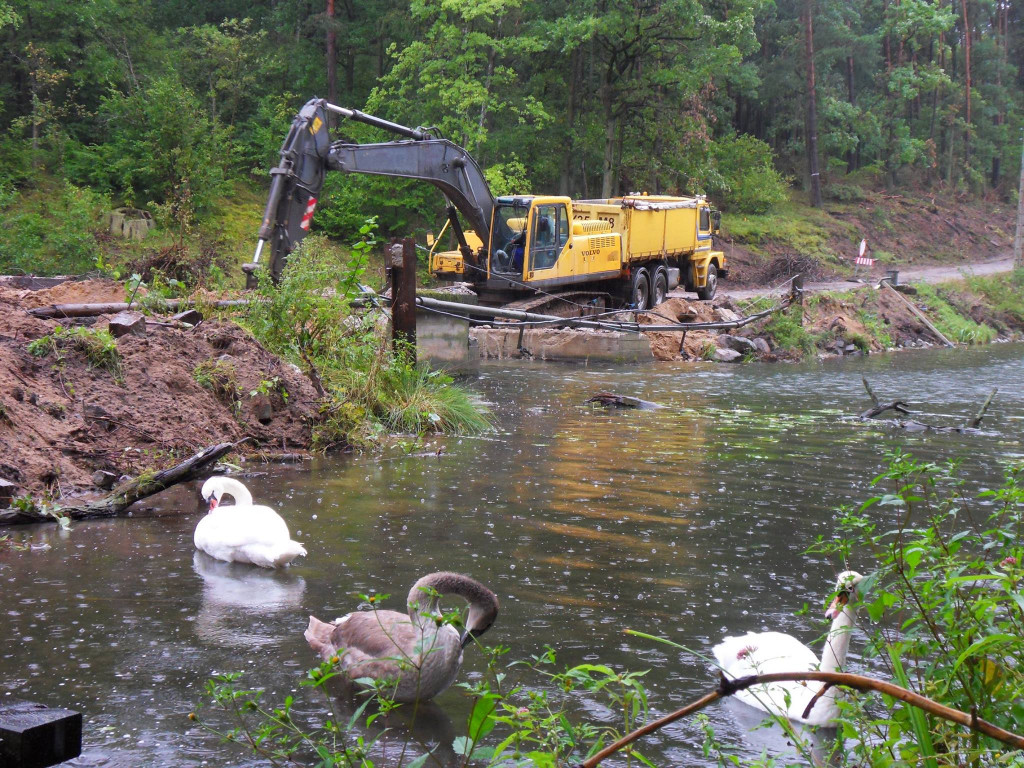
x=787, y=329
x=98, y=346
x=369, y=387
x=950, y=321
x=221, y=378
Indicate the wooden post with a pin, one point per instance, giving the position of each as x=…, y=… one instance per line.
x=402, y=262
x=35, y=736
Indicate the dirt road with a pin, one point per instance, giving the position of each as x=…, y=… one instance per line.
x=934, y=274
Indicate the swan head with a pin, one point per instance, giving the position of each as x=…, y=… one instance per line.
x=480, y=619
x=846, y=587
x=212, y=491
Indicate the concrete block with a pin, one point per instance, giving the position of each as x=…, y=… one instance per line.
x=126, y=322
x=36, y=736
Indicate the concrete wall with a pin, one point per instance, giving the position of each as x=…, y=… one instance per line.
x=444, y=341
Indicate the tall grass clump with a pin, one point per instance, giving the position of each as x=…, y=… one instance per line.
x=949, y=320
x=369, y=388
x=97, y=346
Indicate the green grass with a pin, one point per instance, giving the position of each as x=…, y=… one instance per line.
x=1005, y=294
x=98, y=347
x=797, y=226
x=945, y=316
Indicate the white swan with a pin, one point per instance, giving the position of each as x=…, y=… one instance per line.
x=243, y=532
x=767, y=652
x=417, y=652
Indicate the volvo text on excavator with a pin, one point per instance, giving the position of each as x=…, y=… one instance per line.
x=530, y=250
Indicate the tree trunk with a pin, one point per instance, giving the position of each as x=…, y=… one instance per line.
x=967, y=83
x=812, y=107
x=851, y=157
x=332, y=55
x=607, y=168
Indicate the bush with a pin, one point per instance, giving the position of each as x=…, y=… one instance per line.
x=161, y=148
x=749, y=181
x=370, y=389
x=946, y=611
x=50, y=232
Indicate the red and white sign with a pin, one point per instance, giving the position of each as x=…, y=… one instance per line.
x=307, y=217
x=861, y=259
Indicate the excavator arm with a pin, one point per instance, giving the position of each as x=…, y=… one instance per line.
x=307, y=153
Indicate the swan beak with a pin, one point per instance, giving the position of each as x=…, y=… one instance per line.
x=837, y=605
x=467, y=638
x=213, y=503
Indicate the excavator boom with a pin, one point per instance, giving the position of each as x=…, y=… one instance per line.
x=307, y=153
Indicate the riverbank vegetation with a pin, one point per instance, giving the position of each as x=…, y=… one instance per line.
x=941, y=609
x=975, y=310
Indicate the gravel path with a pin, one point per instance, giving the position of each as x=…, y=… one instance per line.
x=934, y=274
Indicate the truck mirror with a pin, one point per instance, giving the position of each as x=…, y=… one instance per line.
x=430, y=239
x=716, y=220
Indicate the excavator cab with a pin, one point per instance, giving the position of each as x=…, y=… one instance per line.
x=508, y=235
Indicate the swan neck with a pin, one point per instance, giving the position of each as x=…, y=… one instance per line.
x=833, y=656
x=237, y=491
x=426, y=593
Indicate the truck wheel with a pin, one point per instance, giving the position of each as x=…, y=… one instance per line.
x=659, y=287
x=640, y=289
x=711, y=286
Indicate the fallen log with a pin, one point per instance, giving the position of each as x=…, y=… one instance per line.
x=123, y=496
x=918, y=313
x=911, y=425
x=92, y=310
x=611, y=400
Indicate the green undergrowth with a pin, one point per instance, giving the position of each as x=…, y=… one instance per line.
x=370, y=389
x=51, y=229
x=97, y=346
x=939, y=304
x=791, y=225
x=1004, y=293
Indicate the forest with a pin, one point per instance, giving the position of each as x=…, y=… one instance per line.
x=180, y=106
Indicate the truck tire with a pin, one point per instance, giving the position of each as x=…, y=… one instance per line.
x=659, y=286
x=639, y=289
x=711, y=286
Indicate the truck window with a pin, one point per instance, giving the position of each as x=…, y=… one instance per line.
x=705, y=220
x=549, y=234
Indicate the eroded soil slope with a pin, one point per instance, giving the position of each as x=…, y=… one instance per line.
x=180, y=389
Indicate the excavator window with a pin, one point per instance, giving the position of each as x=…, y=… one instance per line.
x=550, y=232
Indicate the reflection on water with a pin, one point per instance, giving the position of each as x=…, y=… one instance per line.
x=689, y=522
x=238, y=598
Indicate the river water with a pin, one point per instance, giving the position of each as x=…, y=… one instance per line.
x=689, y=522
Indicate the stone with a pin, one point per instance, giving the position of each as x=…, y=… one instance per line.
x=8, y=492
x=98, y=416
x=126, y=322
x=103, y=479
x=761, y=345
x=190, y=316
x=726, y=355
x=850, y=348
x=36, y=736
x=18, y=394
x=262, y=409
x=736, y=343
x=724, y=315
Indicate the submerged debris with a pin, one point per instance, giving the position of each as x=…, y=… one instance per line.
x=609, y=400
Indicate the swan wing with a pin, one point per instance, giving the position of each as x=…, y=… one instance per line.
x=763, y=653
x=230, y=527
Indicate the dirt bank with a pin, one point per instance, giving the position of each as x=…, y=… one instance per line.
x=177, y=390
x=903, y=231
x=859, y=321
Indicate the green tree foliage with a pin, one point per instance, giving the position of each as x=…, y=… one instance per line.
x=160, y=101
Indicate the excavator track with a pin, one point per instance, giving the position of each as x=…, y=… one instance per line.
x=565, y=304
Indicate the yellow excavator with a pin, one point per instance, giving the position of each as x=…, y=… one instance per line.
x=529, y=250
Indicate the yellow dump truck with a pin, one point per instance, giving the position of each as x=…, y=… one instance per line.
x=633, y=249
